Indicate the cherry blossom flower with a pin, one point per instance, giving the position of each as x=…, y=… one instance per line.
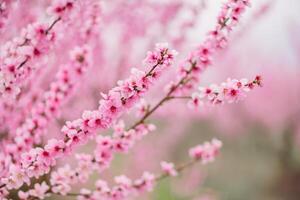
x=168, y=168
x=206, y=152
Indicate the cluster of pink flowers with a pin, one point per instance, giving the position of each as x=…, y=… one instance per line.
x=127, y=188
x=30, y=132
x=120, y=142
x=38, y=161
x=25, y=156
x=230, y=91
x=20, y=57
x=64, y=177
x=15, y=55
x=161, y=55
x=39, y=192
x=13, y=111
x=34, y=122
x=124, y=187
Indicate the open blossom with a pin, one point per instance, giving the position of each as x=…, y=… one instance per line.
x=3, y=193
x=17, y=179
x=39, y=191
x=145, y=183
x=124, y=182
x=168, y=168
x=60, y=180
x=206, y=152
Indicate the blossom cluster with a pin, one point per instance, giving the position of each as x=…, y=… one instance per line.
x=62, y=179
x=59, y=91
x=39, y=192
x=30, y=132
x=107, y=146
x=13, y=111
x=119, y=99
x=21, y=56
x=25, y=154
x=15, y=56
x=125, y=187
x=48, y=104
x=230, y=91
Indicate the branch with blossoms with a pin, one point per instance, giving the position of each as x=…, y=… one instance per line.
x=87, y=36
x=19, y=55
x=38, y=161
x=124, y=139
x=229, y=91
x=30, y=132
x=200, y=59
x=126, y=187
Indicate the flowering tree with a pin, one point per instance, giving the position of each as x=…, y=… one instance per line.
x=55, y=64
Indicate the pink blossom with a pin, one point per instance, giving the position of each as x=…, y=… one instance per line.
x=206, y=152
x=39, y=190
x=17, y=179
x=145, y=183
x=168, y=168
x=102, y=186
